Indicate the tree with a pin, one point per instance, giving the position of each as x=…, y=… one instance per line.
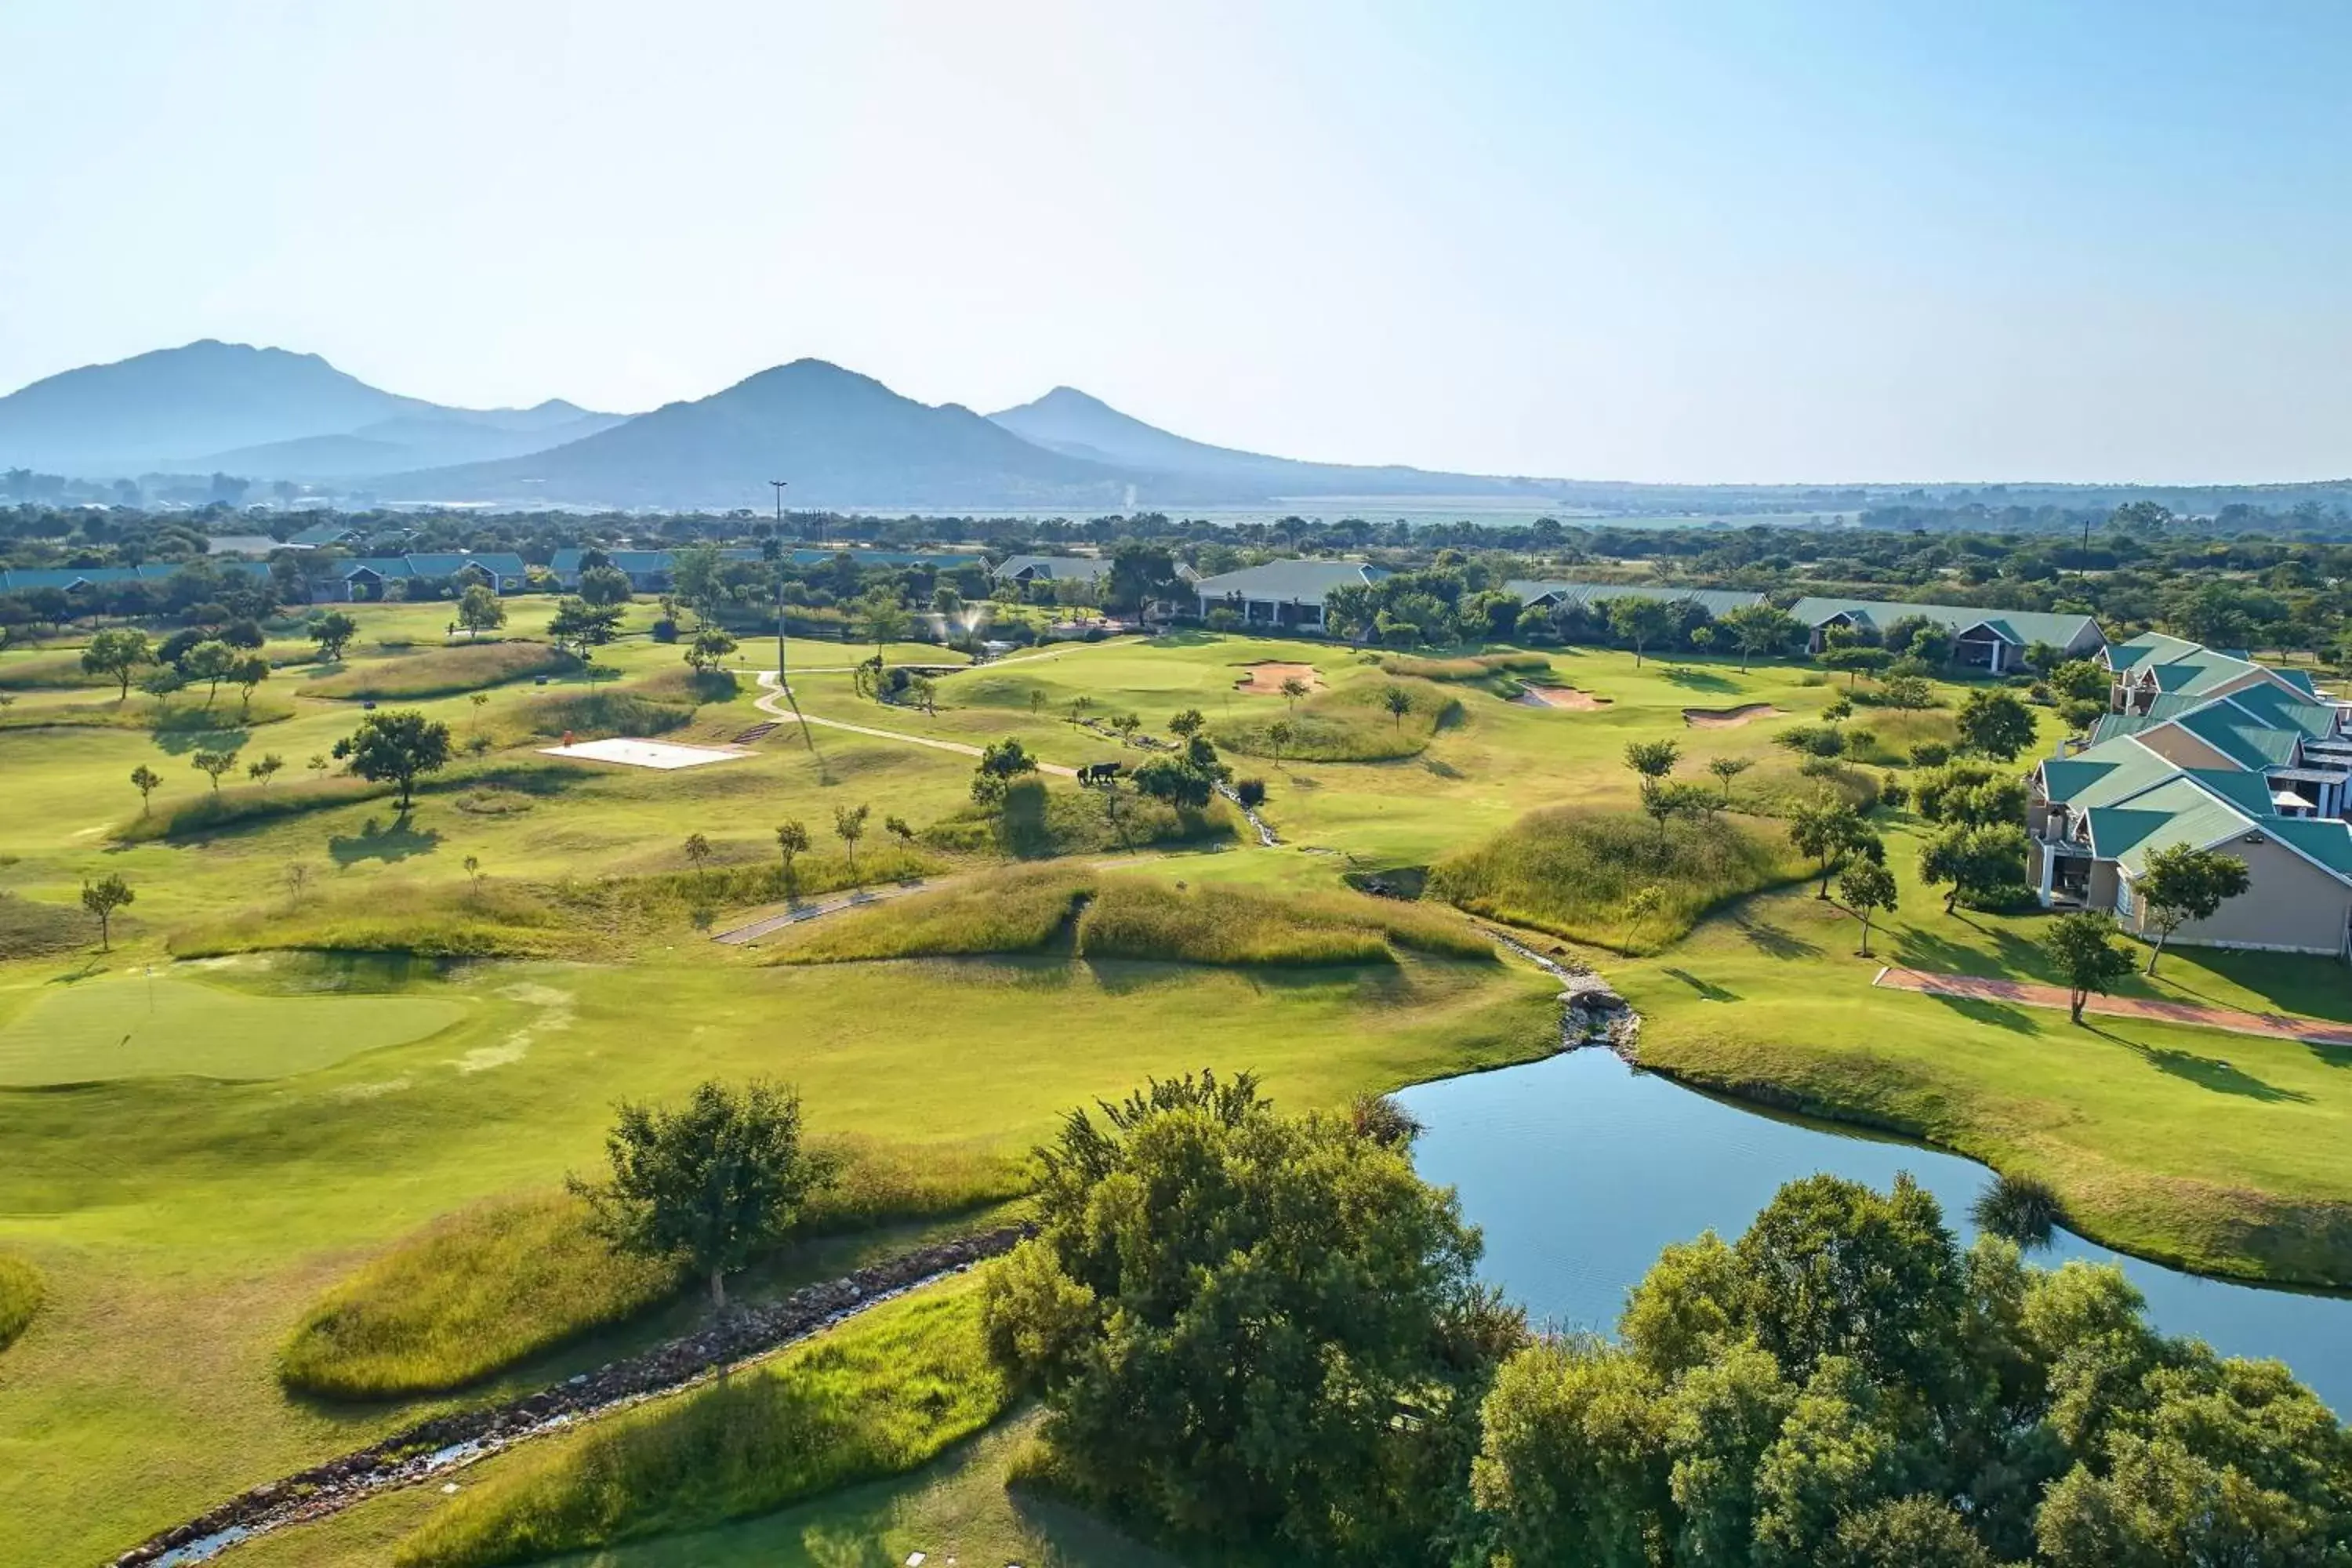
x=117, y=653
x=581, y=626
x=1759, y=628
x=2082, y=680
x=924, y=692
x=1653, y=759
x=1398, y=701
x=1663, y=801
x=605, y=587
x=791, y=839
x=163, y=683
x=214, y=763
x=884, y=619
x=1979, y=863
x=479, y=609
x=1995, y=724
x=1176, y=781
x=1856, y=659
x=1909, y=693
x=1830, y=832
x=1001, y=762
x=146, y=781
x=710, y=649
x=333, y=632
x=697, y=571
x=1868, y=888
x=1186, y=724
x=697, y=851
x=710, y=1183
x=248, y=671
x=898, y=827
x=101, y=898
x=1728, y=769
x=2080, y=945
x=849, y=827
x=396, y=748
x=1139, y=574
x=1293, y=689
x=1078, y=705
x=266, y=768
x=1638, y=621
x=1226, y=1313
x=1127, y=725
x=2184, y=883
x=211, y=662
x=1278, y=734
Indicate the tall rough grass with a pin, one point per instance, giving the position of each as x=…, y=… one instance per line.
x=442, y=671
x=21, y=1295
x=1348, y=724
x=1474, y=667
x=1612, y=879
x=589, y=715
x=1131, y=918
x=497, y=920
x=495, y=1284
x=1037, y=820
x=878, y=1397
x=1019, y=910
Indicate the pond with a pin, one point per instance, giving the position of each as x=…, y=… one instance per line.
x=1579, y=1169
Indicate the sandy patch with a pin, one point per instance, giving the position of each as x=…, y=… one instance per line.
x=1729, y=718
x=636, y=753
x=1566, y=697
x=1266, y=678
x=536, y=995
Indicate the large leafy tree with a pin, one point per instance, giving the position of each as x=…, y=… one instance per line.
x=117, y=653
x=709, y=1184
x=2184, y=883
x=1759, y=628
x=333, y=633
x=582, y=624
x=2082, y=948
x=1638, y=622
x=1830, y=832
x=1250, y=1328
x=1995, y=724
x=394, y=748
x=1974, y=863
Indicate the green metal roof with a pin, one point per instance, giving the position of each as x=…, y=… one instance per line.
x=2104, y=775
x=2023, y=628
x=1715, y=601
x=2179, y=812
x=1289, y=582
x=2244, y=740
x=2279, y=707
x=2154, y=647
x=1054, y=568
x=2326, y=841
x=2248, y=792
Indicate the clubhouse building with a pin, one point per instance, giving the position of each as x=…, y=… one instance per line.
x=2210, y=748
x=1994, y=641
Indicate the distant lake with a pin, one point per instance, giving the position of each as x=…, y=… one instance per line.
x=1579, y=1169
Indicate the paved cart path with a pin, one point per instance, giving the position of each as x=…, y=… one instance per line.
x=2274, y=1026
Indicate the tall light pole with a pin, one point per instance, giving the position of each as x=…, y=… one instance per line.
x=780, y=485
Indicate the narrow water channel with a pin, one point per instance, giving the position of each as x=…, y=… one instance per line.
x=1579, y=1169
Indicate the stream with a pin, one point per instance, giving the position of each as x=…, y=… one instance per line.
x=1579, y=1169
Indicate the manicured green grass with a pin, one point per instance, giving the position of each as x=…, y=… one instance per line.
x=2219, y=1151
x=1613, y=879
x=20, y=1297
x=1348, y=723
x=877, y=1397
x=127, y=1026
x=438, y=672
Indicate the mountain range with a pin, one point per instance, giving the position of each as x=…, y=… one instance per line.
x=842, y=440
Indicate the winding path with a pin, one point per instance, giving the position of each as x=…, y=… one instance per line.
x=2018, y=992
x=778, y=706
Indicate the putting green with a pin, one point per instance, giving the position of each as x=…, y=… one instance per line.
x=133, y=1027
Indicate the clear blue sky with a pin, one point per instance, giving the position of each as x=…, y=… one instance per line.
x=1665, y=242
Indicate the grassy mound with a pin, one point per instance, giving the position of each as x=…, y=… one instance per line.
x=1038, y=820
x=592, y=715
x=1610, y=878
x=495, y=1284
x=479, y=1291
x=20, y=1297
x=30, y=930
x=229, y=712
x=444, y=672
x=1010, y=911
x=257, y=805
x=1349, y=724
x=879, y=1395
x=1474, y=667
x=497, y=920
x=1136, y=917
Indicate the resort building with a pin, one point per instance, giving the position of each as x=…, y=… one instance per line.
x=2257, y=763
x=1558, y=597
x=369, y=579
x=1023, y=570
x=1283, y=594
x=1993, y=640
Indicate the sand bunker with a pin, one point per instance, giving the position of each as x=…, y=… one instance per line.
x=1268, y=678
x=1729, y=718
x=630, y=752
x=1566, y=697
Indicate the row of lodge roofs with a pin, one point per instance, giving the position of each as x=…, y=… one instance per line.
x=2215, y=751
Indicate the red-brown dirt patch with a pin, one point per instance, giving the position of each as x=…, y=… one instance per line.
x=1266, y=678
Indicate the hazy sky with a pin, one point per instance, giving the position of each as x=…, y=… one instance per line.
x=1665, y=242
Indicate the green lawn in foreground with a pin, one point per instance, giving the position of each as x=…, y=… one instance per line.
x=130, y=1025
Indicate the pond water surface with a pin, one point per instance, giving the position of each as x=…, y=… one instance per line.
x=1579, y=1169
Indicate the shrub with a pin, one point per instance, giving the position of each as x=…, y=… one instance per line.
x=877, y=1397
x=20, y=1297
x=2025, y=1209
x=1251, y=793
x=1615, y=880
x=1473, y=667
x=1931, y=755
x=1812, y=739
x=442, y=671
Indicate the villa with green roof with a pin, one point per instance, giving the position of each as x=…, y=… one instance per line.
x=2236, y=757
x=1283, y=594
x=1991, y=640
x=1558, y=597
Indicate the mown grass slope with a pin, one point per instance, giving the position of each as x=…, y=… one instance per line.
x=439, y=672
x=877, y=1397
x=20, y=1297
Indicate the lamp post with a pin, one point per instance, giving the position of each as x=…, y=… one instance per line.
x=779, y=581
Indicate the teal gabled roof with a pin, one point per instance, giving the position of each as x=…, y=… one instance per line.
x=2326, y=841
x=1715, y=601
x=2023, y=627
x=2179, y=812
x=2277, y=707
x=2239, y=736
x=1289, y=582
x=2248, y=792
x=2104, y=775
x=2148, y=648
